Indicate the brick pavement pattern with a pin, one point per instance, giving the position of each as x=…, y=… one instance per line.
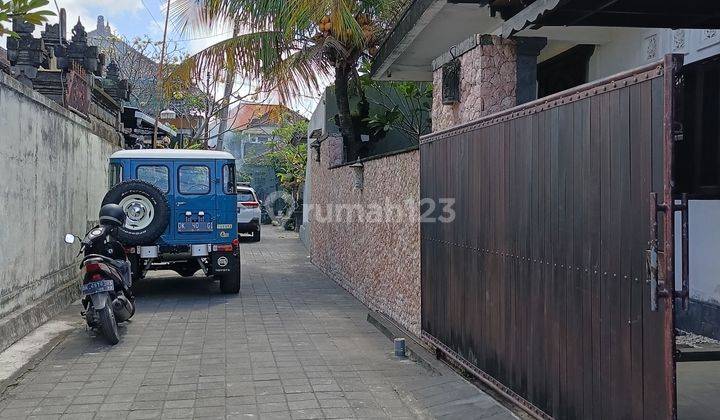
x=291, y=345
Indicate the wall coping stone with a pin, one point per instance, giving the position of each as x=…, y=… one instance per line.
x=9, y=82
x=456, y=51
x=379, y=156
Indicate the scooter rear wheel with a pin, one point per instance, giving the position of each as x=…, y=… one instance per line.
x=108, y=326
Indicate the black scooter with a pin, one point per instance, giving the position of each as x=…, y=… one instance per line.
x=107, y=297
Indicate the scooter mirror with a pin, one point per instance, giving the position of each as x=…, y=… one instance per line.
x=69, y=238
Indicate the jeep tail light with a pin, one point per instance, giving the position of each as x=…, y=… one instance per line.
x=250, y=204
x=225, y=247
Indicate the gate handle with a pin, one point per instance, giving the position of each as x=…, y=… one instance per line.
x=651, y=261
x=666, y=288
x=684, y=293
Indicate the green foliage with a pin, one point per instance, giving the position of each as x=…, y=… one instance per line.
x=289, y=46
x=288, y=154
x=403, y=106
x=28, y=10
x=241, y=176
x=384, y=121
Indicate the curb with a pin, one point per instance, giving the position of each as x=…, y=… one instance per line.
x=415, y=350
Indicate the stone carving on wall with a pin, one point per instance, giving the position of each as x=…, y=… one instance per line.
x=46, y=64
x=679, y=40
x=709, y=37
x=650, y=48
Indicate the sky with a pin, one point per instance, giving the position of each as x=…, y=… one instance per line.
x=137, y=18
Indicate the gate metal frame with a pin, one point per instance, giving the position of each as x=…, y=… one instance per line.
x=668, y=68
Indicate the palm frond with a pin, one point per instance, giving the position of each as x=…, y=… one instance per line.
x=199, y=15
x=300, y=72
x=252, y=54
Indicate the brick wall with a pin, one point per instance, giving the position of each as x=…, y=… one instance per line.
x=487, y=81
x=377, y=260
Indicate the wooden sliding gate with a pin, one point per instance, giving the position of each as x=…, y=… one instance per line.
x=540, y=284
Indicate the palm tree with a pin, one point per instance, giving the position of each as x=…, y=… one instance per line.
x=291, y=46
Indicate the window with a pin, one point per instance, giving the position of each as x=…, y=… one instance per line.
x=194, y=179
x=564, y=71
x=114, y=174
x=245, y=196
x=157, y=175
x=229, y=179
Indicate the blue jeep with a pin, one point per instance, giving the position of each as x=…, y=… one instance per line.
x=181, y=208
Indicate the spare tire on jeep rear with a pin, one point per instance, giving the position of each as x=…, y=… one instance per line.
x=146, y=208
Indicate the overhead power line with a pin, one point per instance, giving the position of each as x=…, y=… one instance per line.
x=150, y=13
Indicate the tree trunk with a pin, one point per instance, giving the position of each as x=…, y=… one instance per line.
x=342, y=97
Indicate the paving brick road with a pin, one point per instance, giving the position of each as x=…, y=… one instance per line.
x=292, y=345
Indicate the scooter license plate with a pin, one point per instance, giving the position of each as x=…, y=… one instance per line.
x=97, y=287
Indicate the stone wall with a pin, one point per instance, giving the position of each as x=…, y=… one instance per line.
x=53, y=170
x=376, y=259
x=487, y=81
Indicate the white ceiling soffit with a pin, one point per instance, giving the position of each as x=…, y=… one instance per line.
x=577, y=34
x=408, y=39
x=441, y=26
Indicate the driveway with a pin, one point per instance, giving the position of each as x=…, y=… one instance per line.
x=292, y=344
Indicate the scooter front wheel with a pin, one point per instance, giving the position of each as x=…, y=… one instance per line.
x=108, y=326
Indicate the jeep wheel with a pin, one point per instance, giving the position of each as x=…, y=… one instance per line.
x=230, y=282
x=146, y=209
x=256, y=235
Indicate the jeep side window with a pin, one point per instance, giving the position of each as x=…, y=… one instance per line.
x=194, y=179
x=158, y=175
x=114, y=174
x=229, y=179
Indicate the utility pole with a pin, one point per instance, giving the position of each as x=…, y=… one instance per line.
x=207, y=111
x=229, y=85
x=160, y=76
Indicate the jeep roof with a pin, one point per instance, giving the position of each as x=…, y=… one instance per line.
x=170, y=154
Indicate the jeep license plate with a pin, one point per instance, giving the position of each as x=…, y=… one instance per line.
x=195, y=226
x=97, y=287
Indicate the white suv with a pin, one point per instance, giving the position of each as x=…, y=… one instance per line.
x=248, y=212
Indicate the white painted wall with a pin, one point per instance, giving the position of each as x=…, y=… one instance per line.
x=317, y=120
x=52, y=180
x=632, y=48
x=704, y=250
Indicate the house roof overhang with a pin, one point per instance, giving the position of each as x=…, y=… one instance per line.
x=425, y=31
x=430, y=28
x=699, y=14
